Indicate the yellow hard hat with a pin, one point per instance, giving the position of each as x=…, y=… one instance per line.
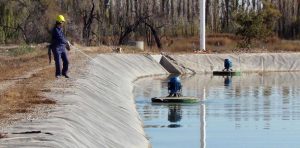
x=60, y=18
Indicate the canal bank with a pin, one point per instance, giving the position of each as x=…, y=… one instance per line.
x=96, y=110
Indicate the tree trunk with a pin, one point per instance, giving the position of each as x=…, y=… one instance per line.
x=155, y=34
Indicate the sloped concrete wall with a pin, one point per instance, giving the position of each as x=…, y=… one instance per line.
x=201, y=63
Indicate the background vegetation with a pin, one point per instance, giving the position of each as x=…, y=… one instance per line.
x=94, y=22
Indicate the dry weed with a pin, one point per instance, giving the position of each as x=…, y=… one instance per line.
x=285, y=46
x=11, y=67
x=226, y=43
x=25, y=95
x=219, y=41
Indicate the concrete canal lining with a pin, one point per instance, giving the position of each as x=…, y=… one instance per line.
x=256, y=62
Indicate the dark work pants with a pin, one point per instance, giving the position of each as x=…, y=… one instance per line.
x=60, y=54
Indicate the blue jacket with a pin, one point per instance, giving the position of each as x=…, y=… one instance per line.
x=58, y=43
x=58, y=38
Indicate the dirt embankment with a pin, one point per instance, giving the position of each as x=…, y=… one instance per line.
x=25, y=75
x=22, y=77
x=99, y=103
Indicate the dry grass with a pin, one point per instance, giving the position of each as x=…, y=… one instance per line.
x=106, y=49
x=180, y=45
x=11, y=66
x=214, y=43
x=219, y=41
x=285, y=46
x=226, y=43
x=26, y=94
x=273, y=40
x=223, y=35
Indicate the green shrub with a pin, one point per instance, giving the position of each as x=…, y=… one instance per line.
x=257, y=25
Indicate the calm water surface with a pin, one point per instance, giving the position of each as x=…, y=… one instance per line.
x=251, y=111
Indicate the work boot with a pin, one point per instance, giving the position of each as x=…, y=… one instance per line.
x=66, y=76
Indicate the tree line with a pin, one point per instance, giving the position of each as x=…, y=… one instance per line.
x=117, y=21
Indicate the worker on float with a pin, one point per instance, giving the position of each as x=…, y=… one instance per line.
x=58, y=46
x=227, y=65
x=174, y=87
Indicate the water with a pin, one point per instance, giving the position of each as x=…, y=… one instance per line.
x=254, y=110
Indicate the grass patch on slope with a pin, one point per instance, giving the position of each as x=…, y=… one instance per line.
x=26, y=93
x=22, y=50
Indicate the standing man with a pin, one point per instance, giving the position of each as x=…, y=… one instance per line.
x=58, y=47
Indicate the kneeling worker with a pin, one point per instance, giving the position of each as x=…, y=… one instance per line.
x=59, y=44
x=174, y=87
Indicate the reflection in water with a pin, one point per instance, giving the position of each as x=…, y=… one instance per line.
x=203, y=121
x=256, y=110
x=227, y=80
x=174, y=115
x=203, y=126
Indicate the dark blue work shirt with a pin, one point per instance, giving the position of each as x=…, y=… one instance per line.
x=58, y=38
